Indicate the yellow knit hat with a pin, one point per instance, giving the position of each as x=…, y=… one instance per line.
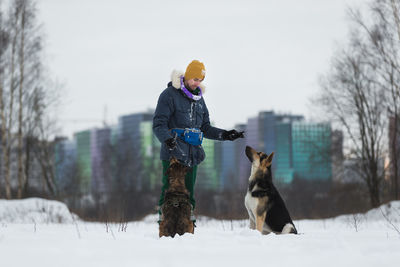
x=195, y=69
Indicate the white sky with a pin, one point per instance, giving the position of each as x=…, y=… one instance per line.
x=258, y=54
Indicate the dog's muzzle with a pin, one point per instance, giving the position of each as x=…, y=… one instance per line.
x=177, y=201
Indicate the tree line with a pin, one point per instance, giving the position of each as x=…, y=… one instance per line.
x=26, y=98
x=361, y=94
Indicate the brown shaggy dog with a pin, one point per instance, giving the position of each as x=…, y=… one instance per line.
x=176, y=208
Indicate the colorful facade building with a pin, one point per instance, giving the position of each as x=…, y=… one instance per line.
x=207, y=176
x=267, y=131
x=150, y=151
x=242, y=163
x=101, y=160
x=65, y=163
x=271, y=132
x=252, y=139
x=83, y=160
x=125, y=157
x=130, y=172
x=312, y=151
x=231, y=162
x=226, y=166
x=283, y=158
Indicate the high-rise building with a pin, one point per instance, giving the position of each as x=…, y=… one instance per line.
x=283, y=167
x=65, y=163
x=283, y=158
x=312, y=150
x=227, y=169
x=242, y=163
x=271, y=132
x=83, y=158
x=301, y=149
x=207, y=170
x=230, y=161
x=101, y=160
x=150, y=151
x=129, y=148
x=267, y=131
x=126, y=157
x=253, y=137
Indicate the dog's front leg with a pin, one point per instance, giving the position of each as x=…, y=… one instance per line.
x=162, y=231
x=260, y=219
x=252, y=224
x=191, y=227
x=252, y=220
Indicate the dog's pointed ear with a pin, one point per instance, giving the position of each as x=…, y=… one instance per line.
x=172, y=161
x=269, y=159
x=250, y=152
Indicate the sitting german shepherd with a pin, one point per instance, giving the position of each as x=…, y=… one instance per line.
x=267, y=211
x=176, y=209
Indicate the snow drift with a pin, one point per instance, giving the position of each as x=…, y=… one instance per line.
x=37, y=232
x=35, y=210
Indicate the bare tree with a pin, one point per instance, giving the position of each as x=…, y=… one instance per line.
x=395, y=97
x=350, y=95
x=26, y=105
x=382, y=37
x=373, y=53
x=45, y=128
x=7, y=112
x=4, y=41
x=29, y=78
x=21, y=61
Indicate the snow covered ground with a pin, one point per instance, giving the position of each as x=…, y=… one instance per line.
x=32, y=239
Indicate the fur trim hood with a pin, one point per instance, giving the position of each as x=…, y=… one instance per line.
x=176, y=81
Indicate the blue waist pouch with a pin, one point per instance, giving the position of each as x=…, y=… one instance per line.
x=191, y=136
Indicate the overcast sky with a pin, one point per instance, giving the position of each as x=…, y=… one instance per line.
x=258, y=54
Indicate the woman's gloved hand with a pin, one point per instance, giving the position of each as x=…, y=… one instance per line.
x=232, y=135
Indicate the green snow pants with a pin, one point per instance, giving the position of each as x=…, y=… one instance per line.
x=190, y=180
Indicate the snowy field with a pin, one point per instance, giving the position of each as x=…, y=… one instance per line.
x=35, y=232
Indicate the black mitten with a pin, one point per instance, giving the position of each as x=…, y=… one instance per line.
x=232, y=135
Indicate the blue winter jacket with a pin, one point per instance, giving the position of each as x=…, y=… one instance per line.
x=175, y=110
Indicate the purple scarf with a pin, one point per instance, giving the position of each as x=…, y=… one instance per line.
x=188, y=93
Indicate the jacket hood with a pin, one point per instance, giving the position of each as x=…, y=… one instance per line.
x=176, y=81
